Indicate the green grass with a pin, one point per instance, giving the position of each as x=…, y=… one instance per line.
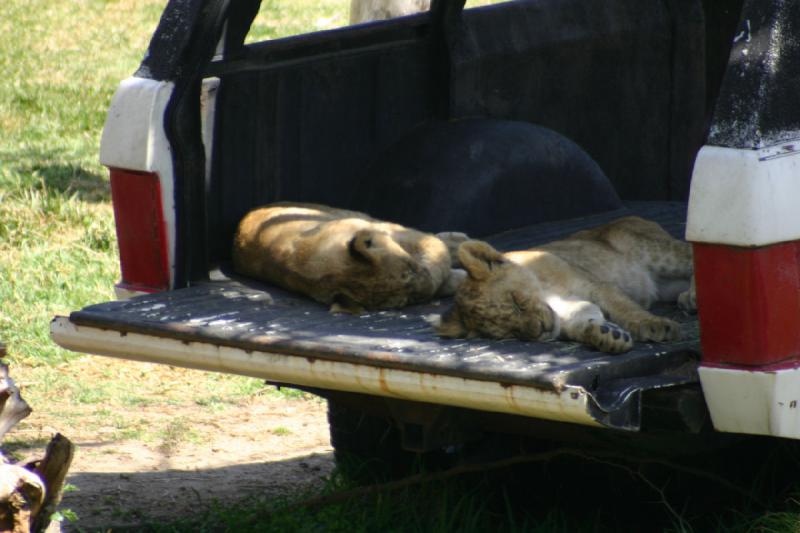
x=281, y=431
x=57, y=243
x=283, y=18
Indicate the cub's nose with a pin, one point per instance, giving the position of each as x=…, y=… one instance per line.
x=542, y=323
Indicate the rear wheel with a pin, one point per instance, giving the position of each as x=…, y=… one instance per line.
x=367, y=447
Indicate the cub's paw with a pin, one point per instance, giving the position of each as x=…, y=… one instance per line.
x=656, y=329
x=452, y=239
x=688, y=301
x=608, y=337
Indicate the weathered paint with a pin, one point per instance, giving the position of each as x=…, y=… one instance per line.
x=134, y=139
x=753, y=402
x=745, y=197
x=744, y=225
x=568, y=405
x=757, y=103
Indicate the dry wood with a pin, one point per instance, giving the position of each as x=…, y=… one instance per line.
x=52, y=469
x=29, y=494
x=12, y=407
x=21, y=498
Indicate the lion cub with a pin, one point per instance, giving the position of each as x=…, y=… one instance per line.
x=344, y=258
x=565, y=289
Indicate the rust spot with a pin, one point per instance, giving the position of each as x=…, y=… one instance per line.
x=311, y=360
x=793, y=404
x=511, y=396
x=574, y=395
x=382, y=381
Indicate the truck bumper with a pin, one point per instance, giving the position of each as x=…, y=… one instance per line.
x=758, y=402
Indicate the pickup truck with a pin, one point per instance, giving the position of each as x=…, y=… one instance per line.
x=517, y=123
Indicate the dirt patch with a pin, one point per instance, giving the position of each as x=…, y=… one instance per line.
x=122, y=483
x=190, y=455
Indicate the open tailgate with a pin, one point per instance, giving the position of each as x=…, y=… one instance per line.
x=235, y=325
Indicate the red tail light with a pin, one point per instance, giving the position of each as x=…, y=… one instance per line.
x=141, y=232
x=749, y=304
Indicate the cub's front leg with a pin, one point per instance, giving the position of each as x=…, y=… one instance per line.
x=643, y=325
x=583, y=322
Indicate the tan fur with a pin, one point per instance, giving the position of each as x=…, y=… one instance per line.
x=342, y=257
x=567, y=288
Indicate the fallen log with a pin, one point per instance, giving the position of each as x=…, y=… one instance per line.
x=52, y=469
x=30, y=493
x=12, y=407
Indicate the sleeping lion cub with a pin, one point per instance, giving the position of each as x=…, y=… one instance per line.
x=565, y=289
x=344, y=258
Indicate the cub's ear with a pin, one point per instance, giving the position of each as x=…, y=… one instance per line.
x=479, y=258
x=362, y=246
x=450, y=325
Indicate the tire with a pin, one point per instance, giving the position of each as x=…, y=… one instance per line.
x=367, y=448
x=419, y=180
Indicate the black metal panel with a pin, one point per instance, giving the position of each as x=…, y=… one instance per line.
x=187, y=29
x=258, y=317
x=305, y=133
x=240, y=17
x=301, y=118
x=182, y=126
x=179, y=50
x=721, y=21
x=172, y=40
x=757, y=104
x=688, y=119
x=600, y=73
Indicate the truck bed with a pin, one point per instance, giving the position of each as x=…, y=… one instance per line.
x=237, y=325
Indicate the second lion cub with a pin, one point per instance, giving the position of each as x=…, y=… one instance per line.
x=566, y=289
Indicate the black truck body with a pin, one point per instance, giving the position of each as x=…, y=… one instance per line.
x=517, y=123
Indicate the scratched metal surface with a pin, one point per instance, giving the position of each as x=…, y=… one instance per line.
x=253, y=316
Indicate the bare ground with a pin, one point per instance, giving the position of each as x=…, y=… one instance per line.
x=265, y=445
